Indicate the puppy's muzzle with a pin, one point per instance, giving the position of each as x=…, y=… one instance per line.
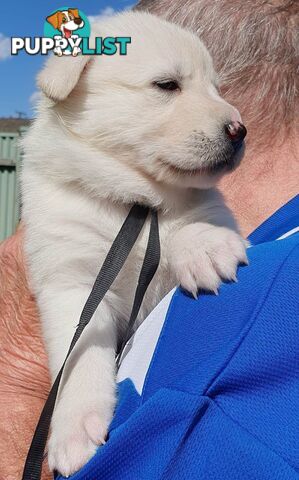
x=78, y=21
x=230, y=151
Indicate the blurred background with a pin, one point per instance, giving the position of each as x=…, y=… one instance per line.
x=18, y=93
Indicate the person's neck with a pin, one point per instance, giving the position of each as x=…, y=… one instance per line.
x=262, y=184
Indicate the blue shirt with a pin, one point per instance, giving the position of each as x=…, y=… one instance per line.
x=214, y=392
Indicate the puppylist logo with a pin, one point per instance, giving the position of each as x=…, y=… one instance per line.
x=67, y=32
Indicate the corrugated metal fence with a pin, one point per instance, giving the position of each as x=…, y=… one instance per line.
x=10, y=156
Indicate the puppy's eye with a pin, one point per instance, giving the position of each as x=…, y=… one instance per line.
x=63, y=20
x=169, y=85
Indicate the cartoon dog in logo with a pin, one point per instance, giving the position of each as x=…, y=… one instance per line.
x=67, y=22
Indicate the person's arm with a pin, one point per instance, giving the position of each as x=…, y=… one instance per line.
x=24, y=379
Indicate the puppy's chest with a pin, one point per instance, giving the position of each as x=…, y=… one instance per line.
x=123, y=290
x=108, y=225
x=77, y=237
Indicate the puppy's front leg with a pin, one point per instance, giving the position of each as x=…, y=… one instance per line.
x=200, y=255
x=86, y=398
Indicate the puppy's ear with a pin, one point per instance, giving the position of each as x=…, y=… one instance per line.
x=53, y=20
x=60, y=75
x=74, y=11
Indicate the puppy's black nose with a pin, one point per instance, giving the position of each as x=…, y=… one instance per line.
x=235, y=131
x=78, y=20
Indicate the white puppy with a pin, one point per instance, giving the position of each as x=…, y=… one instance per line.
x=149, y=127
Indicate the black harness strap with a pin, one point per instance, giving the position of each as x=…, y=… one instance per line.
x=148, y=270
x=111, y=267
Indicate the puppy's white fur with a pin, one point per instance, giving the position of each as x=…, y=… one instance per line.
x=106, y=136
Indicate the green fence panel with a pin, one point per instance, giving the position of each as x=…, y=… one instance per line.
x=10, y=158
x=8, y=202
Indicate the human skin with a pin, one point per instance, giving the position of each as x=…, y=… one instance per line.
x=24, y=378
x=263, y=182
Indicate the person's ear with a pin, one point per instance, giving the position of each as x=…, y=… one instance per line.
x=53, y=20
x=60, y=75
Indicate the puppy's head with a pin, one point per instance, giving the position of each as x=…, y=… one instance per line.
x=157, y=109
x=66, y=21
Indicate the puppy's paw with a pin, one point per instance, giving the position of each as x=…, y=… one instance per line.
x=76, y=432
x=76, y=51
x=201, y=257
x=58, y=51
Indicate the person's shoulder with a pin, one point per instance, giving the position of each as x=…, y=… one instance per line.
x=270, y=256
x=272, y=271
x=270, y=264
x=182, y=331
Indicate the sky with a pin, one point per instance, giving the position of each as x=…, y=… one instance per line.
x=21, y=18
